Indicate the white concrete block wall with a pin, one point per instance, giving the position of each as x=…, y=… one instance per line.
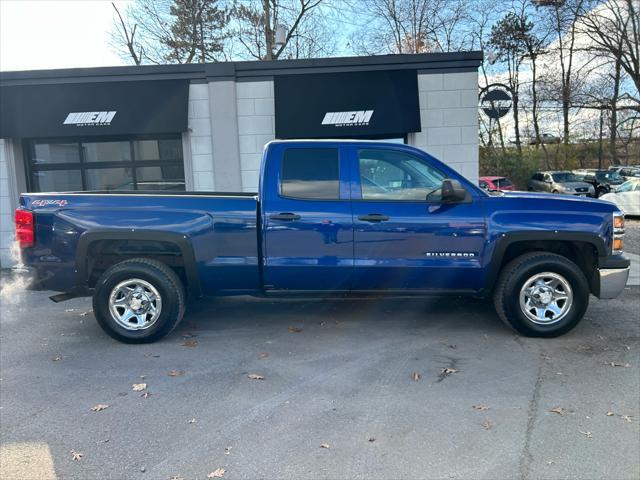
x=199, y=123
x=449, y=117
x=7, y=234
x=256, y=127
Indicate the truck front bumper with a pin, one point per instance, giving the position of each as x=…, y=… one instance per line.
x=610, y=277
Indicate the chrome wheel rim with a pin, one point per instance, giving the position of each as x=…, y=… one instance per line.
x=135, y=304
x=546, y=298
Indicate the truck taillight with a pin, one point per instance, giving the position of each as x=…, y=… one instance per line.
x=24, y=228
x=618, y=233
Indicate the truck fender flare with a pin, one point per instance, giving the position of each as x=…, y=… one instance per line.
x=182, y=241
x=508, y=238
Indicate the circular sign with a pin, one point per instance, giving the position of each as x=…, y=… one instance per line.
x=495, y=100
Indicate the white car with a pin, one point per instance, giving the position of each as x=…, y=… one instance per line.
x=626, y=197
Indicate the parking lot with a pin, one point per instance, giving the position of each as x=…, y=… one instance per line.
x=351, y=388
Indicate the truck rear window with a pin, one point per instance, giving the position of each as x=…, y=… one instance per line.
x=310, y=173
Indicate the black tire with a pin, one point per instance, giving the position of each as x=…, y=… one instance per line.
x=162, y=278
x=556, y=192
x=514, y=275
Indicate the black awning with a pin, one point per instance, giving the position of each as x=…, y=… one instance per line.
x=347, y=105
x=109, y=108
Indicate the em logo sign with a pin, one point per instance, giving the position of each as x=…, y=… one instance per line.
x=82, y=119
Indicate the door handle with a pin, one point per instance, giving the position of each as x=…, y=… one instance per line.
x=373, y=217
x=285, y=216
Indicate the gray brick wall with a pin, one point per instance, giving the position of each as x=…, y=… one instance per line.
x=449, y=117
x=256, y=127
x=7, y=233
x=199, y=138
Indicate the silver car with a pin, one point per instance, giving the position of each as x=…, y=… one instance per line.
x=560, y=182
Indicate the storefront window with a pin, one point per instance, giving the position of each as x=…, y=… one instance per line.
x=145, y=164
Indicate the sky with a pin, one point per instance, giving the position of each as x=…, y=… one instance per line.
x=45, y=34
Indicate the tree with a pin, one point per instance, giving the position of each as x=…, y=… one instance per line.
x=171, y=31
x=410, y=26
x=257, y=21
x=508, y=39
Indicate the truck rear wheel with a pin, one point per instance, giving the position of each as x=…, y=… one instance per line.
x=139, y=300
x=541, y=294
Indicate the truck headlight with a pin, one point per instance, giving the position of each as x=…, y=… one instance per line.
x=618, y=233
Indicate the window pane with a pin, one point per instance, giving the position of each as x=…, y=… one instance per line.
x=160, y=178
x=109, y=178
x=107, y=152
x=46, y=153
x=389, y=175
x=57, y=181
x=310, y=173
x=168, y=149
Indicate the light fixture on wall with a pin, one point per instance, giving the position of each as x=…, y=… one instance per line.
x=281, y=35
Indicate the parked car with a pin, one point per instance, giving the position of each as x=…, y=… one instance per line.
x=502, y=184
x=545, y=138
x=560, y=182
x=331, y=217
x=629, y=172
x=603, y=181
x=626, y=197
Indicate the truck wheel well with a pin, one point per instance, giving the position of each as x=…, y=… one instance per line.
x=583, y=254
x=102, y=254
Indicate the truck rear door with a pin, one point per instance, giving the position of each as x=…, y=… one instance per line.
x=404, y=237
x=306, y=218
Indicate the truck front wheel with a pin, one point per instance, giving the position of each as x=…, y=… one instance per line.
x=139, y=300
x=541, y=294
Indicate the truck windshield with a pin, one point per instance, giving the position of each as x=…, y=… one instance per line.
x=608, y=176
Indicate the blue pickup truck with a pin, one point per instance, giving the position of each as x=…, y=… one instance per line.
x=330, y=217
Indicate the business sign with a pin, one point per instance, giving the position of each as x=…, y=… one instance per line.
x=495, y=100
x=89, y=118
x=93, y=108
x=347, y=104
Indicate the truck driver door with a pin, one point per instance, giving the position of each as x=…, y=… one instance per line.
x=306, y=216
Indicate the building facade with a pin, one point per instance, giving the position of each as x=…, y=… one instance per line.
x=203, y=127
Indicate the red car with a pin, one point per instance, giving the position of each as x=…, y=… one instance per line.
x=496, y=183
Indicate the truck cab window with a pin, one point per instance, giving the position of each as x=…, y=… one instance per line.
x=391, y=175
x=310, y=173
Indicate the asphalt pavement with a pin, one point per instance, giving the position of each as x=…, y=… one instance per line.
x=352, y=388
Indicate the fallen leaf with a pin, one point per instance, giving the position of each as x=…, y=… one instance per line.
x=610, y=414
x=587, y=434
x=415, y=376
x=142, y=377
x=255, y=376
x=453, y=346
x=325, y=445
x=84, y=314
x=615, y=364
x=480, y=407
x=263, y=354
x=146, y=395
x=188, y=335
x=99, y=407
x=76, y=455
x=190, y=343
x=372, y=439
x=175, y=373
x=559, y=410
x=148, y=354
x=138, y=387
x=487, y=425
x=69, y=310
x=627, y=418
x=193, y=420
x=295, y=330
x=227, y=450
x=57, y=358
x=217, y=473
x=177, y=477
x=448, y=371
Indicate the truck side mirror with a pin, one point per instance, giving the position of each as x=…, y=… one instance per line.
x=453, y=191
